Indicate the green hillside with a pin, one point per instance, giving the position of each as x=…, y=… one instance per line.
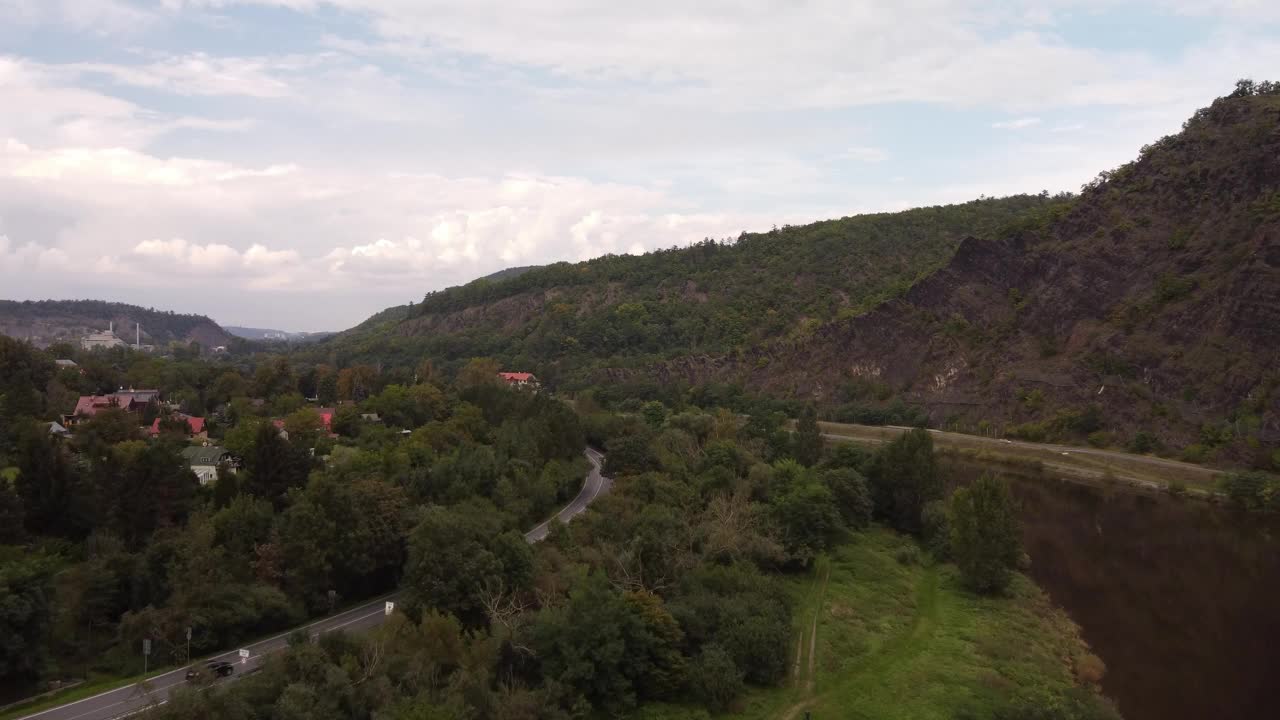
x=711, y=297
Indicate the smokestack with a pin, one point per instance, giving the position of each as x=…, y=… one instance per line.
x=138, y=338
x=111, y=326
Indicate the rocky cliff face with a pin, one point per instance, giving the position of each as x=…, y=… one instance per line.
x=1155, y=298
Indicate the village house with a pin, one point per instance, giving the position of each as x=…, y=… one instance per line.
x=195, y=426
x=204, y=462
x=519, y=379
x=128, y=400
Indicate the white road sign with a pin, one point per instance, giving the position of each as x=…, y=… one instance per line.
x=390, y=607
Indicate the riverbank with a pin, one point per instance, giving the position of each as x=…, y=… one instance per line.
x=882, y=632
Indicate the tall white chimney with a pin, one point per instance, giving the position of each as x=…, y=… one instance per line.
x=138, y=337
x=111, y=326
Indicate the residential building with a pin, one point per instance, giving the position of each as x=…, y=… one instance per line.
x=195, y=426
x=204, y=462
x=519, y=379
x=58, y=431
x=128, y=400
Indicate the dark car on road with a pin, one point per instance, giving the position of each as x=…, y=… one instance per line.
x=212, y=669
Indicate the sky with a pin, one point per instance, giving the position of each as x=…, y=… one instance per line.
x=302, y=164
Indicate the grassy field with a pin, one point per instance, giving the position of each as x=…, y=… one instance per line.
x=882, y=633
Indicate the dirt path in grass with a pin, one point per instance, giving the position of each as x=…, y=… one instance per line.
x=806, y=662
x=913, y=640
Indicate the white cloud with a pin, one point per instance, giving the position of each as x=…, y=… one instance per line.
x=30, y=257
x=1016, y=123
x=420, y=143
x=825, y=53
x=202, y=74
x=100, y=17
x=862, y=154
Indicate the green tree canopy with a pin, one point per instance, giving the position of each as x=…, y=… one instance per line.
x=984, y=534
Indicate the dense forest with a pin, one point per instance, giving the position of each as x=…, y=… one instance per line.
x=676, y=590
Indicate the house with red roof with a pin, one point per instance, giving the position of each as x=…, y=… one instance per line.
x=195, y=426
x=128, y=400
x=519, y=379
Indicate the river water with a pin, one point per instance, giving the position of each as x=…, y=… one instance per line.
x=1180, y=597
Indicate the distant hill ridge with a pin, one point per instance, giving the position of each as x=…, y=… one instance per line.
x=269, y=334
x=45, y=322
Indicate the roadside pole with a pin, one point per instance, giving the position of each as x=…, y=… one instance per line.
x=146, y=653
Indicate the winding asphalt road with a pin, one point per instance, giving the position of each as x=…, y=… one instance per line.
x=155, y=690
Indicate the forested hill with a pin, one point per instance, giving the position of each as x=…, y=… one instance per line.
x=1145, y=315
x=567, y=320
x=45, y=322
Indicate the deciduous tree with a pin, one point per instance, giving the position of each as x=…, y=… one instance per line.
x=984, y=534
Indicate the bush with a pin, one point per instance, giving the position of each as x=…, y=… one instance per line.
x=852, y=496
x=715, y=679
x=1144, y=442
x=1196, y=453
x=1029, y=431
x=1252, y=491
x=1100, y=439
x=937, y=530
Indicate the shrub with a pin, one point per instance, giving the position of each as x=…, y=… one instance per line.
x=1144, y=442
x=714, y=679
x=1252, y=491
x=1196, y=453
x=937, y=530
x=1090, y=669
x=852, y=496
x=1033, y=400
x=1030, y=431
x=1099, y=439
